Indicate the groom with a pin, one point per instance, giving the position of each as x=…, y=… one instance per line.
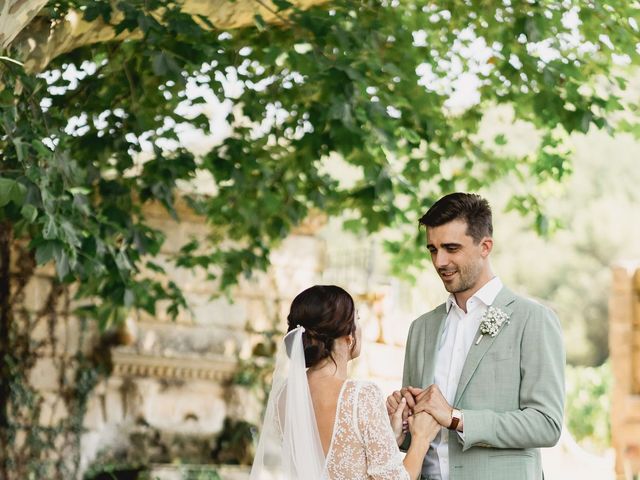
x=487, y=364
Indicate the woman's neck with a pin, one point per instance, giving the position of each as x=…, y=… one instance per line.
x=328, y=369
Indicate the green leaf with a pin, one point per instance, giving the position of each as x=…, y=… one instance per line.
x=163, y=64
x=19, y=146
x=122, y=261
x=129, y=298
x=50, y=229
x=282, y=4
x=11, y=191
x=411, y=135
x=47, y=251
x=260, y=23
x=62, y=263
x=29, y=212
x=41, y=149
x=500, y=139
x=94, y=10
x=79, y=191
x=69, y=233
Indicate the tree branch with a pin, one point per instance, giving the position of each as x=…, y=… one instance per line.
x=16, y=15
x=6, y=237
x=42, y=40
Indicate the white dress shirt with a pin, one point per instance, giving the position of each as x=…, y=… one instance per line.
x=459, y=333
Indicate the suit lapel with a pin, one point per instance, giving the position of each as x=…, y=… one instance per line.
x=432, y=336
x=476, y=352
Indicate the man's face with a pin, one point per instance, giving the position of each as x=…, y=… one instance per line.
x=459, y=261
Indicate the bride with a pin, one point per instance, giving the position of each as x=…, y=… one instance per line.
x=321, y=425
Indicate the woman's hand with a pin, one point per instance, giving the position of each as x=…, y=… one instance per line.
x=399, y=425
x=424, y=426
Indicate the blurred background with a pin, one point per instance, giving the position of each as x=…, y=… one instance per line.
x=173, y=173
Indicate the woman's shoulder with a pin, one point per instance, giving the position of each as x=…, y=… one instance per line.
x=368, y=402
x=365, y=389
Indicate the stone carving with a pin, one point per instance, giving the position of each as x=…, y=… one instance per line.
x=130, y=364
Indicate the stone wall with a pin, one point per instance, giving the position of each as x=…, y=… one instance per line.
x=169, y=395
x=624, y=342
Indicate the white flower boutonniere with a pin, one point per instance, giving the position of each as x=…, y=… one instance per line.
x=492, y=320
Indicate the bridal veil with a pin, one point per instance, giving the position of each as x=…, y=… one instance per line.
x=289, y=447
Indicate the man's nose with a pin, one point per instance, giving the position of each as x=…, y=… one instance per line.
x=441, y=259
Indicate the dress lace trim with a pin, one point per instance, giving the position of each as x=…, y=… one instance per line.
x=363, y=445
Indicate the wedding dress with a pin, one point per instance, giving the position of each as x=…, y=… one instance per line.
x=362, y=445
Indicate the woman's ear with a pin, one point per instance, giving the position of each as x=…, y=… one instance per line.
x=350, y=341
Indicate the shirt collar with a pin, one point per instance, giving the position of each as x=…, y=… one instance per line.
x=486, y=294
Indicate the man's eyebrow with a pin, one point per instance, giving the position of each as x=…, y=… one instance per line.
x=445, y=245
x=451, y=245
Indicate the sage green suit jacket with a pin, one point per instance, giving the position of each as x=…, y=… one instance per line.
x=511, y=390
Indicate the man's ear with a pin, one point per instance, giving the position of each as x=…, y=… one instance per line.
x=486, y=245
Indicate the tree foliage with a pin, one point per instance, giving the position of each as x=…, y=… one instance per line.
x=338, y=79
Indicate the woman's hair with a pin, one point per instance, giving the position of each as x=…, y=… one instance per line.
x=326, y=312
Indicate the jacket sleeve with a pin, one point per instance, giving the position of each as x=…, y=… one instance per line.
x=407, y=377
x=538, y=421
x=407, y=371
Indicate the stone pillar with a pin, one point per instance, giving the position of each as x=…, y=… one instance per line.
x=624, y=343
x=635, y=358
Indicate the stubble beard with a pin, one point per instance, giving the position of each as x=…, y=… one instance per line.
x=467, y=279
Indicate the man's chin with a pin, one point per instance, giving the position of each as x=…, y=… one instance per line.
x=450, y=287
x=455, y=287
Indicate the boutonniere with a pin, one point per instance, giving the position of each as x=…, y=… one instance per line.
x=491, y=322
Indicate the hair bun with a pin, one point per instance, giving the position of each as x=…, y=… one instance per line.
x=327, y=313
x=316, y=349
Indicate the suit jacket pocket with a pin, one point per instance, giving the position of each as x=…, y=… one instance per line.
x=511, y=465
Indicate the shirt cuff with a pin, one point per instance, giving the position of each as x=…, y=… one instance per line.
x=461, y=434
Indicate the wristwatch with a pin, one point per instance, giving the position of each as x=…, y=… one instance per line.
x=456, y=415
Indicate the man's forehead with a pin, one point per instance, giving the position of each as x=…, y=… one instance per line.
x=452, y=232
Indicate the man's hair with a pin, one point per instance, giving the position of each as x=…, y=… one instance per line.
x=471, y=208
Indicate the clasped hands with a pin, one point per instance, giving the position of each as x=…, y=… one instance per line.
x=403, y=407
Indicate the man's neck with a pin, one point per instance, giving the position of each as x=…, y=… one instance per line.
x=463, y=297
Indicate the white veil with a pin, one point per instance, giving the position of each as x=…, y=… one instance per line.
x=289, y=447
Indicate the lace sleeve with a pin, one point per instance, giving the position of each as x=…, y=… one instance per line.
x=384, y=460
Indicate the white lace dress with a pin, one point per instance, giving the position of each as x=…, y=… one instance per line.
x=363, y=445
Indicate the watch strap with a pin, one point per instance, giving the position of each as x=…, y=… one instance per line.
x=455, y=419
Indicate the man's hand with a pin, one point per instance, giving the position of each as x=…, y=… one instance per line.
x=409, y=394
x=393, y=401
x=432, y=401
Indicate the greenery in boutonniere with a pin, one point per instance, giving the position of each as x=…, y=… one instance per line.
x=492, y=321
